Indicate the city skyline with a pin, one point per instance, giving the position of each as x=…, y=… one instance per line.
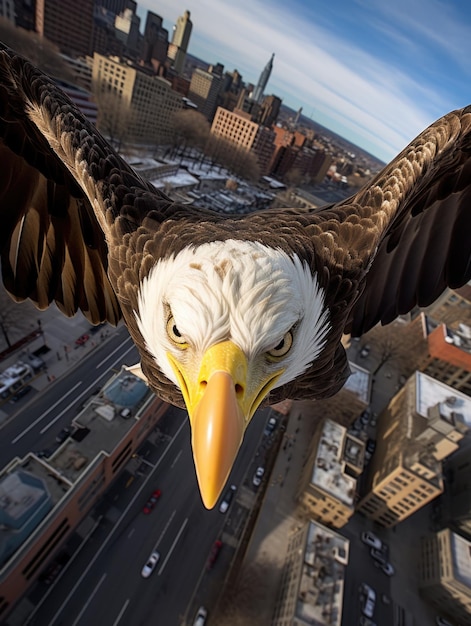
x=375, y=73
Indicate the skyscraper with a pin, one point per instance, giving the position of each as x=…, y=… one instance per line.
x=180, y=40
x=263, y=81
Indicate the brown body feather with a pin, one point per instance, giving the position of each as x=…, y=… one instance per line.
x=82, y=229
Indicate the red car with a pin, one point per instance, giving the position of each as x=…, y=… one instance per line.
x=151, y=501
x=213, y=555
x=82, y=340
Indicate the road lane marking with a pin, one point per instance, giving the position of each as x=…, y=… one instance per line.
x=115, y=350
x=92, y=595
x=169, y=521
x=43, y=415
x=121, y=613
x=176, y=458
x=173, y=546
x=113, y=530
x=131, y=533
x=51, y=408
x=84, y=392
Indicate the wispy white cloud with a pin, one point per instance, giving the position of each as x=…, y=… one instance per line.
x=376, y=96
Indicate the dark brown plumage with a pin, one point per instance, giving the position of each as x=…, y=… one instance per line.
x=82, y=229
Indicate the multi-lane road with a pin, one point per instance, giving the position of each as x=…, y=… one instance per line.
x=102, y=583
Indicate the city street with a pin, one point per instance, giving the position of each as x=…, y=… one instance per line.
x=102, y=581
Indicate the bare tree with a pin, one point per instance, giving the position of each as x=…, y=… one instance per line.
x=114, y=115
x=191, y=130
x=37, y=49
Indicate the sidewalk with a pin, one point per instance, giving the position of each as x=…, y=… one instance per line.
x=265, y=556
x=58, y=340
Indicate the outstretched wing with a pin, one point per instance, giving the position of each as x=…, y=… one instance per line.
x=416, y=221
x=57, y=178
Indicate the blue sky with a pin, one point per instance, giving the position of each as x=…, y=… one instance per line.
x=376, y=72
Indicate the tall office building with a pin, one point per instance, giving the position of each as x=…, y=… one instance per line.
x=180, y=40
x=142, y=104
x=328, y=486
x=58, y=19
x=155, y=47
x=204, y=89
x=422, y=425
x=312, y=585
x=444, y=574
x=263, y=81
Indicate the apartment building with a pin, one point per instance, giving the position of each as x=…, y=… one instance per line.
x=448, y=355
x=445, y=574
x=312, y=585
x=46, y=495
x=145, y=102
x=328, y=486
x=422, y=425
x=238, y=128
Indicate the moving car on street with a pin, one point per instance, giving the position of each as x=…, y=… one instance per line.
x=150, y=565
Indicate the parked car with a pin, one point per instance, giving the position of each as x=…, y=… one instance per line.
x=366, y=621
x=257, y=478
x=82, y=340
x=371, y=446
x=227, y=499
x=213, y=555
x=371, y=540
x=367, y=600
x=149, y=567
x=200, y=619
x=388, y=569
x=271, y=425
x=36, y=362
x=378, y=555
x=365, y=417
x=151, y=502
x=21, y=393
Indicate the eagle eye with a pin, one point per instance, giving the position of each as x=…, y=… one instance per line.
x=283, y=347
x=174, y=334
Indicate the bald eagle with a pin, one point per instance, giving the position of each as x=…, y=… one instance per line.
x=227, y=312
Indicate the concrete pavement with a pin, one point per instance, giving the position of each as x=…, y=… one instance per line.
x=61, y=353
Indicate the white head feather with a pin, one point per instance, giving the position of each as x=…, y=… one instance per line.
x=243, y=291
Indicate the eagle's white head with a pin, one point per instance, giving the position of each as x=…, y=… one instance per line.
x=227, y=322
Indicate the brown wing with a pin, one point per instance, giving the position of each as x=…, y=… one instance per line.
x=55, y=228
x=407, y=234
x=427, y=245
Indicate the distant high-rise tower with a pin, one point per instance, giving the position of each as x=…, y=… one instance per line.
x=263, y=81
x=180, y=39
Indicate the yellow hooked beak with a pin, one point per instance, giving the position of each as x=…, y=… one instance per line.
x=220, y=401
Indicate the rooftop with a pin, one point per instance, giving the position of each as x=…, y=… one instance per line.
x=431, y=392
x=328, y=472
x=321, y=588
x=102, y=424
x=359, y=382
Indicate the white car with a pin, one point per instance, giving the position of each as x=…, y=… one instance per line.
x=367, y=600
x=150, y=565
x=257, y=479
x=371, y=540
x=200, y=619
x=227, y=499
